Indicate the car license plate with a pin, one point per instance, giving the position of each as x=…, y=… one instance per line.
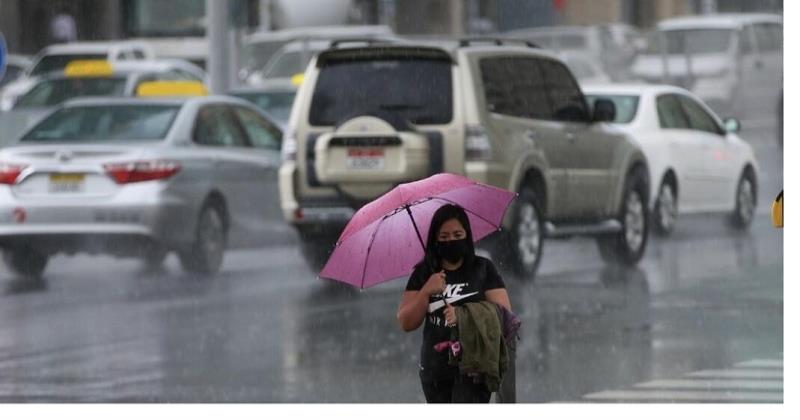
x=67, y=183
x=365, y=159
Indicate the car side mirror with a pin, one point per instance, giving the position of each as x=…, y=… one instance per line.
x=732, y=125
x=604, y=111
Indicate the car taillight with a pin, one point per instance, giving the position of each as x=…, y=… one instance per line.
x=9, y=173
x=289, y=146
x=151, y=170
x=476, y=143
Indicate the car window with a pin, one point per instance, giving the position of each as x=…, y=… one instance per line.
x=11, y=74
x=698, y=118
x=261, y=133
x=515, y=86
x=138, y=54
x=746, y=40
x=670, y=113
x=417, y=89
x=768, y=37
x=55, y=91
x=216, y=126
x=566, y=99
x=58, y=62
x=626, y=106
x=105, y=123
x=278, y=104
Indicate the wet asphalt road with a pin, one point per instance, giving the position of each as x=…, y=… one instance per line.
x=98, y=329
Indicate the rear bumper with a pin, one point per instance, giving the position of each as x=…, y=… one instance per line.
x=78, y=225
x=307, y=211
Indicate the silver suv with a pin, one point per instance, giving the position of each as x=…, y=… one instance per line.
x=511, y=115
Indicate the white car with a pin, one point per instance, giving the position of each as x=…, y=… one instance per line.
x=56, y=57
x=734, y=62
x=697, y=162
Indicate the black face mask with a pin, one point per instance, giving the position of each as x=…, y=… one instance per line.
x=452, y=251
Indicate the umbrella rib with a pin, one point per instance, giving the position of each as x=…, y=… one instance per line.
x=369, y=249
x=476, y=214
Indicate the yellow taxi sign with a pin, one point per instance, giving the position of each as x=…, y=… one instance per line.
x=172, y=88
x=297, y=79
x=777, y=211
x=88, y=68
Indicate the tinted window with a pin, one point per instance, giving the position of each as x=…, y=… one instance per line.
x=745, y=40
x=260, y=132
x=693, y=41
x=515, y=86
x=59, y=62
x=105, y=123
x=768, y=37
x=566, y=99
x=416, y=89
x=626, y=105
x=138, y=54
x=12, y=72
x=670, y=113
x=698, y=118
x=55, y=91
x=277, y=104
x=216, y=126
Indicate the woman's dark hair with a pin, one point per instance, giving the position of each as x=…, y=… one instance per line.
x=445, y=213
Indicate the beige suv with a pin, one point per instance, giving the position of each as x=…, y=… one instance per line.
x=511, y=115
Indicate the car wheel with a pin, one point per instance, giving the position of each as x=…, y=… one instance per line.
x=210, y=239
x=666, y=209
x=154, y=257
x=25, y=262
x=527, y=235
x=316, y=246
x=745, y=202
x=627, y=247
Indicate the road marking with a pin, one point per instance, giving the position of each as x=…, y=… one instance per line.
x=714, y=385
x=686, y=396
x=753, y=381
x=738, y=374
x=763, y=364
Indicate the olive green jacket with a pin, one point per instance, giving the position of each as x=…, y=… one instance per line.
x=483, y=349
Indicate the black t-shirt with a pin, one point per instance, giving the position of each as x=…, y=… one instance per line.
x=464, y=285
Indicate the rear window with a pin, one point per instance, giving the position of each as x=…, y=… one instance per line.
x=105, y=124
x=276, y=104
x=56, y=91
x=626, y=106
x=59, y=62
x=416, y=89
x=691, y=41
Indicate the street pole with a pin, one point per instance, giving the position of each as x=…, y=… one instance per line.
x=218, y=45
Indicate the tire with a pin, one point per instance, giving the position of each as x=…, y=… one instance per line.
x=745, y=198
x=25, y=262
x=205, y=255
x=316, y=246
x=665, y=213
x=154, y=256
x=526, y=236
x=627, y=247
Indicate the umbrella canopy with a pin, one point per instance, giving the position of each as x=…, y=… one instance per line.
x=384, y=239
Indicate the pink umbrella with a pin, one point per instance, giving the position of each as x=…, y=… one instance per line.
x=383, y=240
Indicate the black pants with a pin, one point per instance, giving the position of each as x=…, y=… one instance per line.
x=460, y=389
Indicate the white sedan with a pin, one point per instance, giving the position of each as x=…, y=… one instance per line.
x=698, y=163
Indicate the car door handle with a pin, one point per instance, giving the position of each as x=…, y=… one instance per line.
x=759, y=64
x=571, y=137
x=531, y=135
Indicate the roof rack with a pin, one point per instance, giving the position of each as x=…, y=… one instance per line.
x=466, y=42
x=369, y=41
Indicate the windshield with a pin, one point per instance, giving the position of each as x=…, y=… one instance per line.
x=288, y=64
x=105, y=124
x=54, y=92
x=692, y=41
x=276, y=104
x=418, y=90
x=59, y=62
x=626, y=106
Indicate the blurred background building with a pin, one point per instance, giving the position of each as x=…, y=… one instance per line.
x=25, y=23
